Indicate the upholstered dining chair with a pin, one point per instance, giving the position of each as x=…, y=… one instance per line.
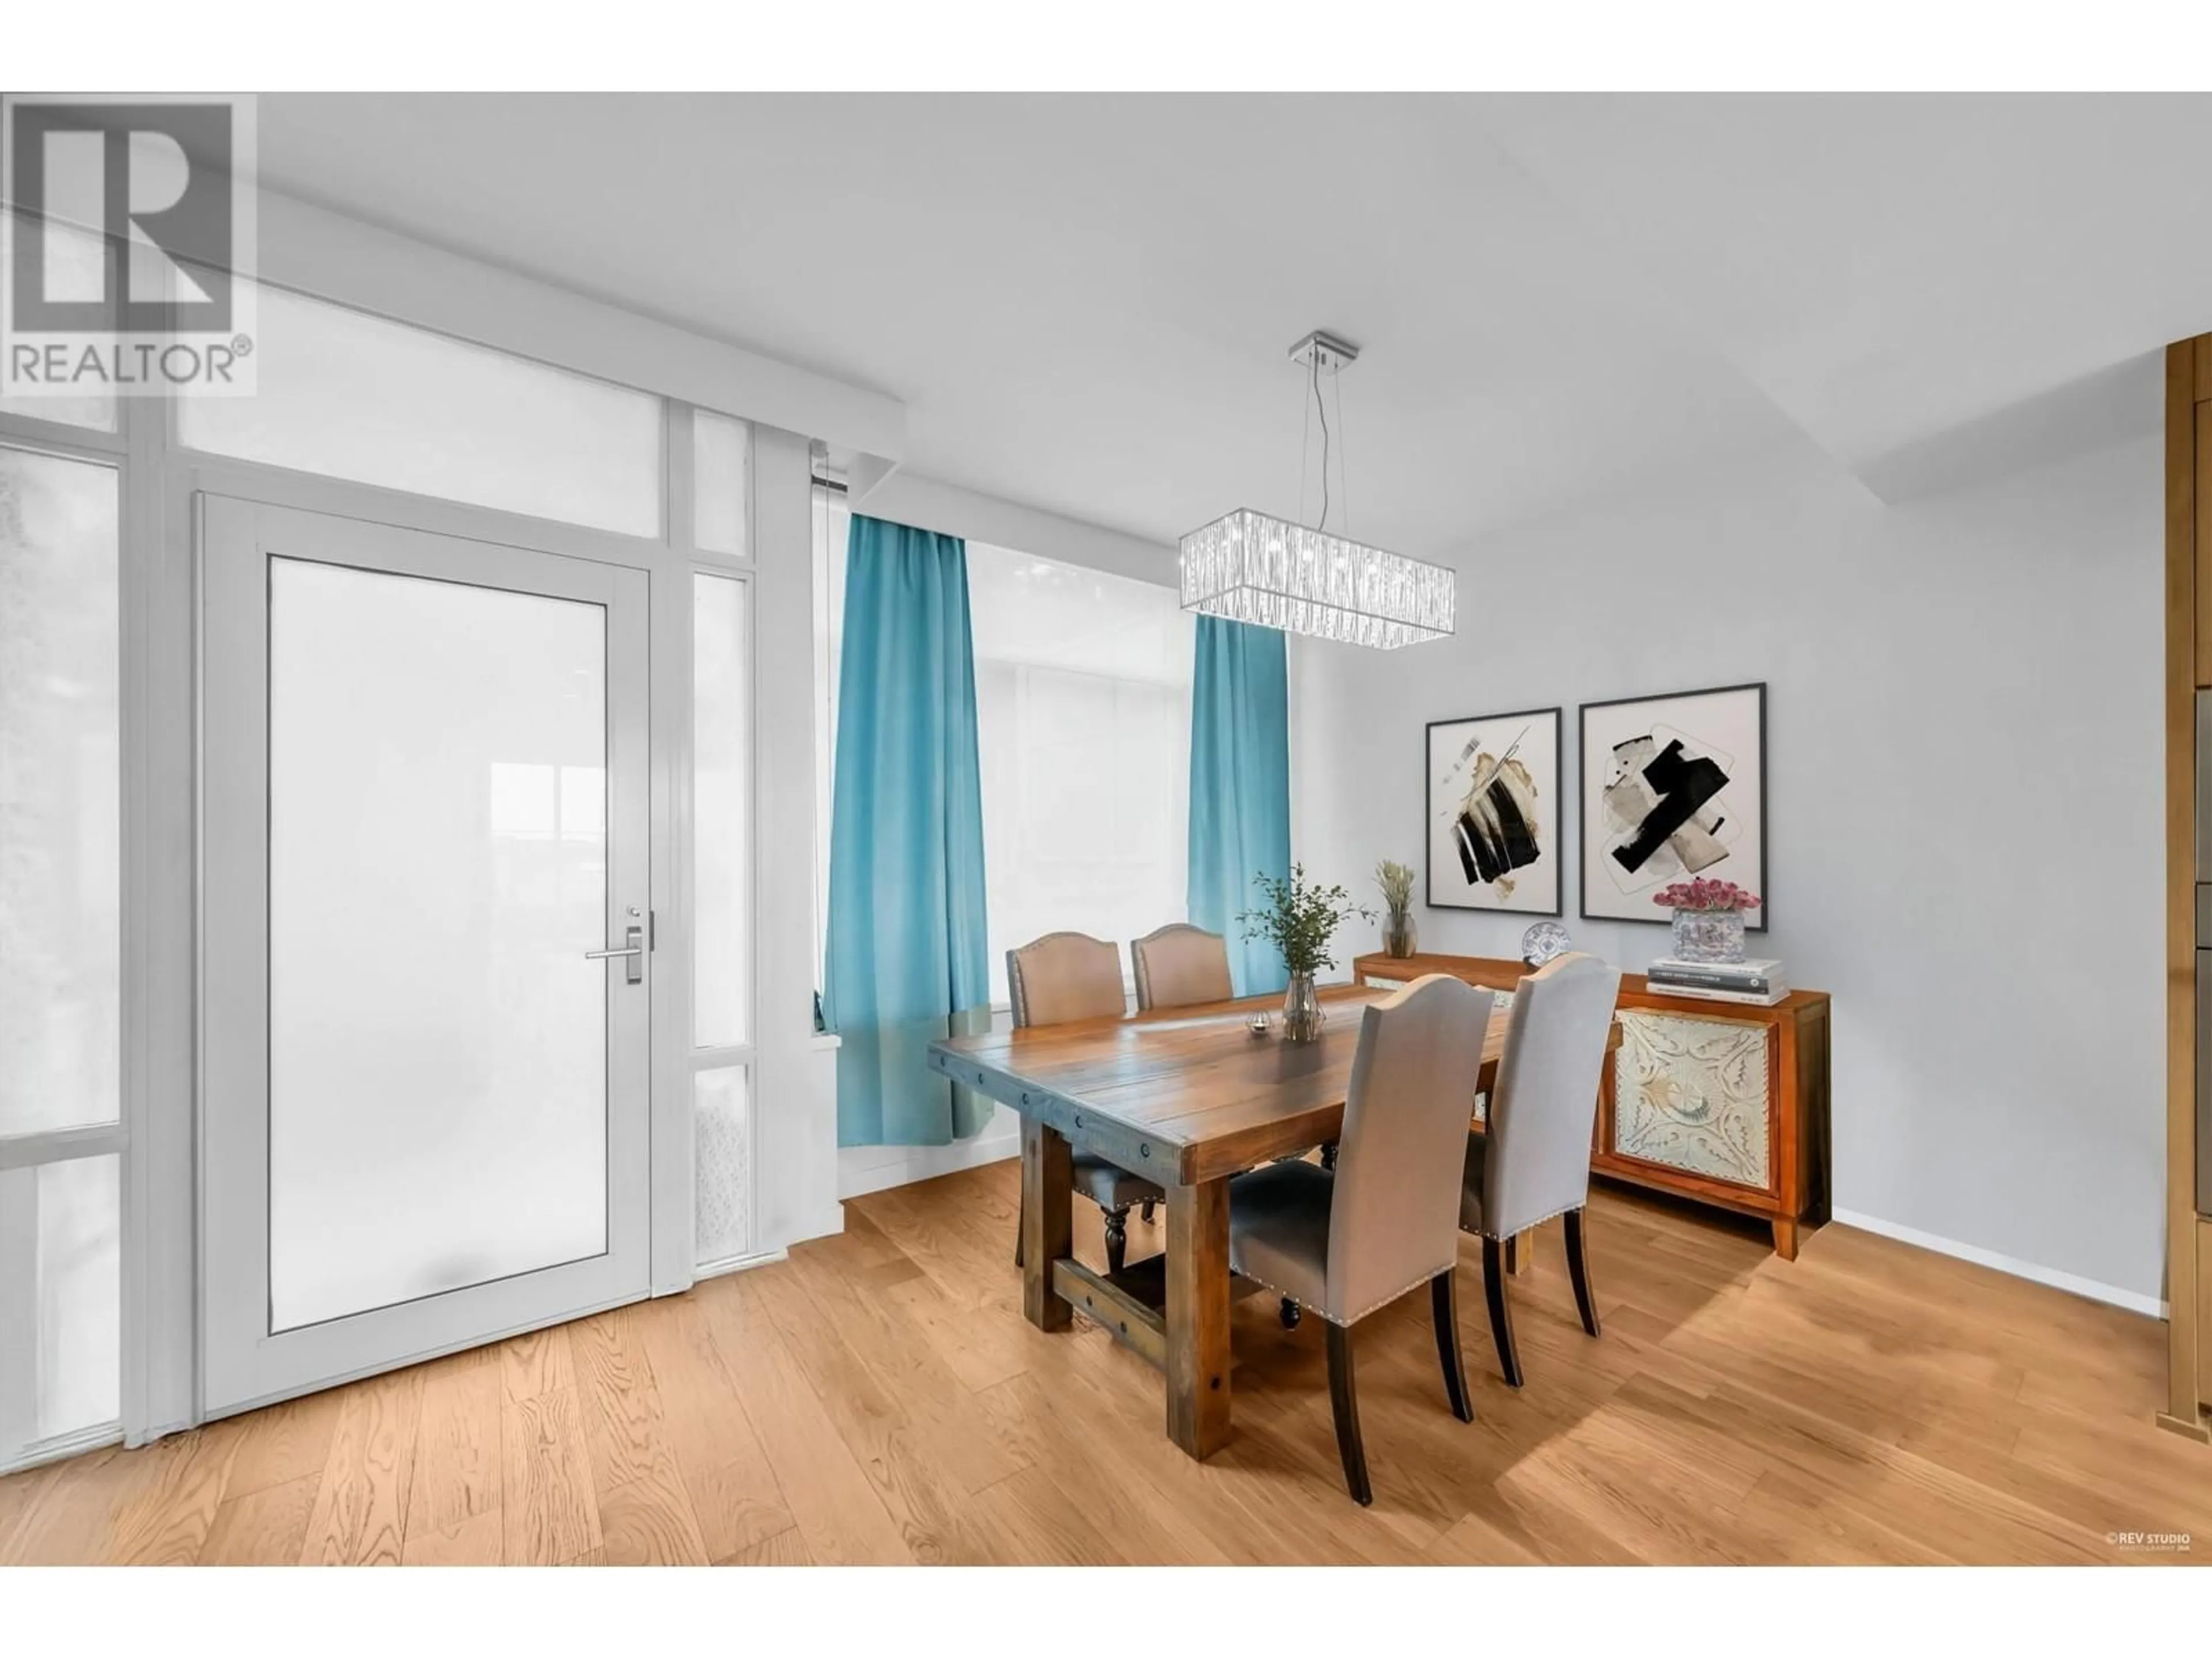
x=1178, y=965
x=1345, y=1242
x=1051, y=980
x=1534, y=1163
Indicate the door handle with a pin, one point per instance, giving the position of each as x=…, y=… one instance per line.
x=633, y=953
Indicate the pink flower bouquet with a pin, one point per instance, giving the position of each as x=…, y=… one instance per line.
x=1703, y=895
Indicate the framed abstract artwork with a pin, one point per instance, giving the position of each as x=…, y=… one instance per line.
x=1672, y=788
x=1494, y=813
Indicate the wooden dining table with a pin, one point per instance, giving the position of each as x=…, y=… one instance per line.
x=1186, y=1098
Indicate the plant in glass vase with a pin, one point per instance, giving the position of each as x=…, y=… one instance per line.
x=1396, y=881
x=1299, y=919
x=1708, y=918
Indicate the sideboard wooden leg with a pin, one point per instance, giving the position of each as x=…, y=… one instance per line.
x=1785, y=1238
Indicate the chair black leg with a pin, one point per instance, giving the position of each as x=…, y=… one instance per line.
x=1328, y=1155
x=1117, y=1238
x=1578, y=1270
x=1501, y=1316
x=1443, y=1313
x=1021, y=1226
x=1290, y=1314
x=1345, y=1405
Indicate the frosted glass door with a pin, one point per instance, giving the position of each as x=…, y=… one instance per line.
x=437, y=866
x=442, y=1140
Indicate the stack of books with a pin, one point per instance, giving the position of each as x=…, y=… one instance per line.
x=1759, y=981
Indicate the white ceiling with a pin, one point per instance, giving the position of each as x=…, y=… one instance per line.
x=1084, y=302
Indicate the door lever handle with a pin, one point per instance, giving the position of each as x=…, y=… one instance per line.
x=633, y=949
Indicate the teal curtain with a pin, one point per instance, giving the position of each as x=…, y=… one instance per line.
x=1239, y=786
x=907, y=960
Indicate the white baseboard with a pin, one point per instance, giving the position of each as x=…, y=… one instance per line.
x=2074, y=1283
x=738, y=1264
x=72, y=1444
x=855, y=1179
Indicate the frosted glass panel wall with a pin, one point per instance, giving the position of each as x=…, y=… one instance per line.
x=437, y=868
x=60, y=871
x=60, y=1301
x=352, y=396
x=721, y=672
x=721, y=449
x=75, y=269
x=722, y=1163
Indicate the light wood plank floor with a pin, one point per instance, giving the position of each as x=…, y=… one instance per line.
x=878, y=1398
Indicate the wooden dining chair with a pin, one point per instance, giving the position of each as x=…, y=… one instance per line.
x=1051, y=980
x=1347, y=1242
x=1534, y=1163
x=1178, y=965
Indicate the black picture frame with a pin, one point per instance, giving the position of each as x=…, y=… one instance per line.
x=1556, y=714
x=1763, y=882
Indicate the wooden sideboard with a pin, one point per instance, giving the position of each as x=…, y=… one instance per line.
x=1719, y=1102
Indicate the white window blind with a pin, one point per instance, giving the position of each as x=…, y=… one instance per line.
x=1083, y=721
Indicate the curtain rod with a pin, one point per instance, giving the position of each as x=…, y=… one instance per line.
x=821, y=482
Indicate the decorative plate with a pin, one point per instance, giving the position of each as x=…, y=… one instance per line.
x=1544, y=941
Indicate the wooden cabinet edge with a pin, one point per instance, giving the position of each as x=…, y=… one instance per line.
x=2188, y=665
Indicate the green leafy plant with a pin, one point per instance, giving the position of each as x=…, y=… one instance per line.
x=1299, y=918
x=1396, y=881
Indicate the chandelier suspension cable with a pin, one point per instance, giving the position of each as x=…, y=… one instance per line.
x=1343, y=470
x=1323, y=407
x=1305, y=450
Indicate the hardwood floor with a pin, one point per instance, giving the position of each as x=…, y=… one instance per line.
x=878, y=1398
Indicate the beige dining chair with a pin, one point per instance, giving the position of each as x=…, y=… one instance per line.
x=1534, y=1163
x=1347, y=1242
x=1051, y=980
x=1178, y=965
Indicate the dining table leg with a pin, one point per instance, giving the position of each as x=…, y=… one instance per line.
x=1197, y=1316
x=1048, y=1221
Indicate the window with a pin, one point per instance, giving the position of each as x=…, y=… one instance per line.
x=721, y=703
x=1083, y=721
x=351, y=396
x=722, y=909
x=60, y=948
x=75, y=267
x=1082, y=729
x=721, y=460
x=832, y=523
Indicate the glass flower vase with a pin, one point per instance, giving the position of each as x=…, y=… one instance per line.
x=1301, y=1012
x=1400, y=939
x=1709, y=935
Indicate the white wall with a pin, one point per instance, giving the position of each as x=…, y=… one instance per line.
x=1964, y=796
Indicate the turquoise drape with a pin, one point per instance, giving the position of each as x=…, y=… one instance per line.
x=1239, y=786
x=907, y=959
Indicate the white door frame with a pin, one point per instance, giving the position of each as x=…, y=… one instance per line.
x=243, y=1363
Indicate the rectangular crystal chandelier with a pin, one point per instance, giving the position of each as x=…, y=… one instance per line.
x=1252, y=568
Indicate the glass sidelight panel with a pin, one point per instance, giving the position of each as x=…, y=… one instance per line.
x=721, y=703
x=80, y=1293
x=438, y=1089
x=723, y=1145
x=60, y=812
